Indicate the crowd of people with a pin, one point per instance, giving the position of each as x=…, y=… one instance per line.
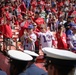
x=42, y=23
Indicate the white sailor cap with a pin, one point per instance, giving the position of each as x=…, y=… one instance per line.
x=19, y=55
x=60, y=56
x=32, y=53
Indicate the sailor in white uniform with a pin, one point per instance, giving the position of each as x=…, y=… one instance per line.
x=18, y=61
x=60, y=62
x=32, y=69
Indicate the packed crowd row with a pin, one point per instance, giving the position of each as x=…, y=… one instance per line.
x=42, y=23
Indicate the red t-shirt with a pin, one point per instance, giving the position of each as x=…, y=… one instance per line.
x=34, y=4
x=39, y=21
x=22, y=7
x=61, y=41
x=7, y=31
x=59, y=4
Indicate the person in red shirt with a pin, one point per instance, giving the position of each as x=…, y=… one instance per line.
x=23, y=25
x=61, y=38
x=38, y=20
x=33, y=4
x=6, y=32
x=22, y=7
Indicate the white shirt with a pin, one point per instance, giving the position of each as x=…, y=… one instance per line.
x=30, y=45
x=46, y=39
x=72, y=41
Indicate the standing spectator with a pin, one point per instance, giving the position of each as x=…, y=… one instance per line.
x=72, y=39
x=61, y=38
x=6, y=32
x=23, y=25
x=46, y=37
x=29, y=39
x=68, y=22
x=60, y=21
x=38, y=20
x=31, y=68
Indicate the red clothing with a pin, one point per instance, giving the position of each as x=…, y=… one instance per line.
x=53, y=10
x=34, y=4
x=61, y=41
x=75, y=20
x=22, y=28
x=1, y=29
x=7, y=31
x=60, y=4
x=74, y=13
x=22, y=7
x=39, y=21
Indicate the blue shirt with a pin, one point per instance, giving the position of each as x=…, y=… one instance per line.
x=34, y=70
x=69, y=32
x=2, y=73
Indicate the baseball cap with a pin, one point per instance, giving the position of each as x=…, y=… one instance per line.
x=30, y=27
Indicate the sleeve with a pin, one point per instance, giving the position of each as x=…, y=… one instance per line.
x=69, y=41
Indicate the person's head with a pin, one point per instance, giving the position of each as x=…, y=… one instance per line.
x=30, y=28
x=60, y=28
x=36, y=14
x=43, y=28
x=18, y=61
x=61, y=18
x=35, y=25
x=57, y=61
x=70, y=18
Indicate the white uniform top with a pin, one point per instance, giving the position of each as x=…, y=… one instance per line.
x=30, y=45
x=46, y=39
x=72, y=41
